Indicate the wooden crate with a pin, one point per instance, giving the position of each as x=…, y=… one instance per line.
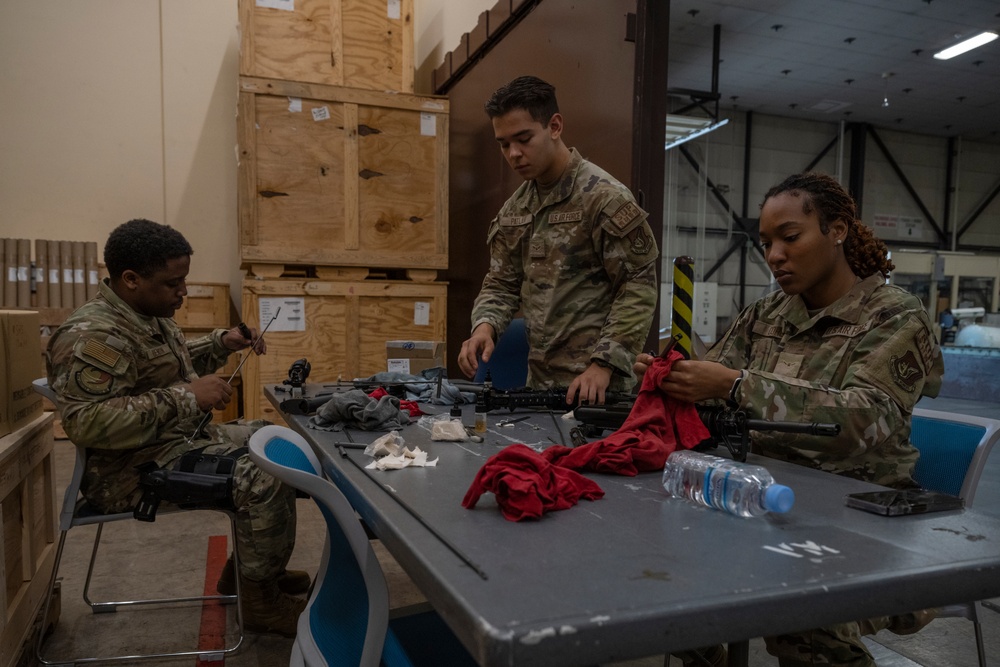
x=355, y=43
x=345, y=327
x=206, y=307
x=234, y=409
x=356, y=178
x=28, y=523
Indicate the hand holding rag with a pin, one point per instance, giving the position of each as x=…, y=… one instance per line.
x=655, y=427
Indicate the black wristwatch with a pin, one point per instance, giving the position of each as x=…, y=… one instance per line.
x=604, y=364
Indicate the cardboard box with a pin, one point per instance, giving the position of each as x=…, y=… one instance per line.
x=413, y=356
x=21, y=350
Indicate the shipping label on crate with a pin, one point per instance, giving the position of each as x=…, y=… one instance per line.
x=288, y=313
x=287, y=5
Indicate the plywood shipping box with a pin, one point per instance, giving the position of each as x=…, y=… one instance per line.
x=341, y=328
x=341, y=177
x=20, y=351
x=28, y=524
x=354, y=43
x=206, y=308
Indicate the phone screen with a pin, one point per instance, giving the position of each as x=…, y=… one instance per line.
x=904, y=501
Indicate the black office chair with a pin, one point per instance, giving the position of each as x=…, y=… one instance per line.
x=76, y=511
x=508, y=366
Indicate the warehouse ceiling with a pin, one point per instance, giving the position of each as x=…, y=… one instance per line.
x=832, y=60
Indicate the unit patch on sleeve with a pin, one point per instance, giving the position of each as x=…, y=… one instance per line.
x=640, y=241
x=94, y=381
x=628, y=212
x=905, y=371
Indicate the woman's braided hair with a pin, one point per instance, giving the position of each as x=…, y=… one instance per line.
x=865, y=252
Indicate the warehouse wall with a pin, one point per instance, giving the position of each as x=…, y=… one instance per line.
x=782, y=146
x=122, y=108
x=115, y=109
x=118, y=109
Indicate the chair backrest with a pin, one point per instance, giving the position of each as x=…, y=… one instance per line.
x=508, y=365
x=72, y=494
x=953, y=450
x=346, y=619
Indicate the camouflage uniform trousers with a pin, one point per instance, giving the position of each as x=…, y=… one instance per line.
x=265, y=509
x=841, y=644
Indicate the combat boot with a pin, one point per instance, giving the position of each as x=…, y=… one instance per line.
x=267, y=609
x=293, y=582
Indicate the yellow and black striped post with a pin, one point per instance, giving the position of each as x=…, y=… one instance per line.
x=682, y=316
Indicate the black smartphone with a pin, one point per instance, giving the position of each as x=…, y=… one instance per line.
x=904, y=501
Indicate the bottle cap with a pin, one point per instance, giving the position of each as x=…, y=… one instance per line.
x=779, y=498
x=456, y=411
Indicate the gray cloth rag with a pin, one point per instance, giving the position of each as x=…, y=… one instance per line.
x=423, y=388
x=355, y=409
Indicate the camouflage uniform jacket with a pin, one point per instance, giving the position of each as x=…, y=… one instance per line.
x=580, y=260
x=118, y=375
x=862, y=362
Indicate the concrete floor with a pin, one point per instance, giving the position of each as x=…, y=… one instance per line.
x=171, y=554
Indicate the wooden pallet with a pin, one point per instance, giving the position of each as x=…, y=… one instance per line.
x=348, y=273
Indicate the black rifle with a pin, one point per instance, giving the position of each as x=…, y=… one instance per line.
x=725, y=426
x=488, y=399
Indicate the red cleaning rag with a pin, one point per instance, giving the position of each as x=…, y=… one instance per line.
x=655, y=427
x=526, y=485
x=412, y=407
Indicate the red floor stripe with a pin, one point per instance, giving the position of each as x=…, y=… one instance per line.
x=212, y=636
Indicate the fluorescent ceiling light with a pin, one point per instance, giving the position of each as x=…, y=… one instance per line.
x=967, y=45
x=686, y=128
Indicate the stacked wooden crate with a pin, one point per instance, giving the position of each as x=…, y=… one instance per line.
x=206, y=308
x=343, y=188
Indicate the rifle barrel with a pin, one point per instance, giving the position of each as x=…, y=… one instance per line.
x=812, y=428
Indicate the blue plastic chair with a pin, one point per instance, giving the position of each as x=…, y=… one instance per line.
x=346, y=621
x=953, y=452
x=508, y=365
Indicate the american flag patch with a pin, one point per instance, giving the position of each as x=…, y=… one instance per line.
x=98, y=351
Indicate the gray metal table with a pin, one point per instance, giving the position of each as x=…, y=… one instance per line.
x=637, y=573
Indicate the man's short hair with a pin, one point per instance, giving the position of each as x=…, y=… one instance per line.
x=530, y=93
x=143, y=246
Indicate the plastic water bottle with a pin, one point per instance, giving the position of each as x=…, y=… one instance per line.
x=737, y=488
